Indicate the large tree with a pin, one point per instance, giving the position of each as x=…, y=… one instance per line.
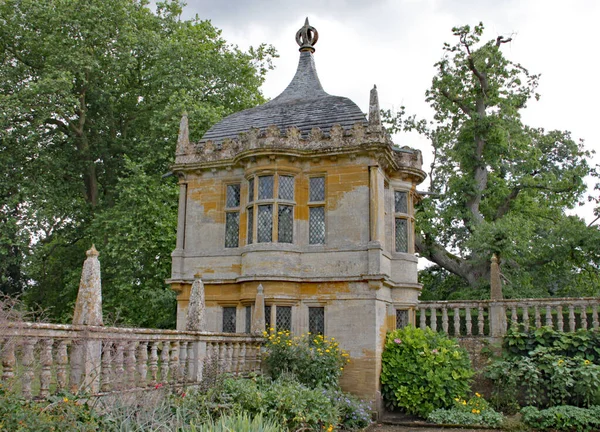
x=91, y=93
x=498, y=185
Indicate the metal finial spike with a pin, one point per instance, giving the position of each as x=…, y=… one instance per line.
x=307, y=37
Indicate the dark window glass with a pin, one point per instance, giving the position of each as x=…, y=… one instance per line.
x=264, y=224
x=229, y=319
x=265, y=187
x=400, y=202
x=316, y=225
x=285, y=226
x=286, y=188
x=233, y=196
x=317, y=189
x=283, y=318
x=248, y=319
x=401, y=235
x=401, y=318
x=267, y=317
x=316, y=320
x=232, y=229
x=251, y=190
x=250, y=225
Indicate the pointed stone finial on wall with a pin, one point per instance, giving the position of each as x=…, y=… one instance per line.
x=88, y=307
x=374, y=114
x=258, y=320
x=196, y=313
x=495, y=282
x=307, y=37
x=183, y=141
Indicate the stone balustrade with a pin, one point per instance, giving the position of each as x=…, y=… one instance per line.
x=47, y=358
x=493, y=317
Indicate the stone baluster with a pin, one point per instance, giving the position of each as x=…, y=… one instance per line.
x=76, y=366
x=433, y=318
x=559, y=318
x=62, y=360
x=236, y=357
x=46, y=365
x=130, y=363
x=595, y=322
x=526, y=317
x=538, y=318
x=583, y=316
x=514, y=317
x=230, y=357
x=175, y=362
x=468, y=322
x=243, y=363
x=221, y=363
x=106, y=366
x=423, y=318
x=183, y=359
x=153, y=364
x=480, y=320
x=258, y=357
x=456, y=322
x=142, y=366
x=164, y=361
x=571, y=318
x=28, y=363
x=445, y=319
x=191, y=367
x=549, y=321
x=8, y=360
x=119, y=366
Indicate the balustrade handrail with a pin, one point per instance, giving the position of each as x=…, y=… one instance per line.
x=532, y=301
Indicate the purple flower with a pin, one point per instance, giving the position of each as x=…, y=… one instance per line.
x=434, y=351
x=398, y=341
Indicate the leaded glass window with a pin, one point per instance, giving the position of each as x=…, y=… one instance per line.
x=264, y=224
x=267, y=317
x=250, y=214
x=229, y=319
x=251, y=190
x=316, y=320
x=316, y=234
x=233, y=196
x=232, y=229
x=283, y=318
x=285, y=224
x=248, y=319
x=265, y=187
x=401, y=235
x=401, y=202
x=401, y=318
x=317, y=189
x=286, y=188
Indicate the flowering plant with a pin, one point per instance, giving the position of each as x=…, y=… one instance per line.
x=475, y=411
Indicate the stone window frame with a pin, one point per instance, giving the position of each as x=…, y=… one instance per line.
x=253, y=202
x=403, y=216
x=318, y=204
x=232, y=211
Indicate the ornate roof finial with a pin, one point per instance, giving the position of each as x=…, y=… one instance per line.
x=307, y=37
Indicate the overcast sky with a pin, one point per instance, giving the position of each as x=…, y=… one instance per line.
x=394, y=44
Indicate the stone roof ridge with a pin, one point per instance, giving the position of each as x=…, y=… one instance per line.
x=305, y=84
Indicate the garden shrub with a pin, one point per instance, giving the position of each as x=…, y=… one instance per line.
x=354, y=413
x=238, y=423
x=315, y=360
x=563, y=418
x=423, y=370
x=473, y=412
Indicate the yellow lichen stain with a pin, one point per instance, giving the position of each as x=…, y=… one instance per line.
x=222, y=293
x=314, y=289
x=342, y=180
x=208, y=193
x=360, y=376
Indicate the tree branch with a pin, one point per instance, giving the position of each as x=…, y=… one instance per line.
x=457, y=101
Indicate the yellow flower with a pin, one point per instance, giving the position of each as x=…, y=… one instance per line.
x=475, y=411
x=587, y=362
x=456, y=399
x=342, y=368
x=326, y=350
x=477, y=394
x=464, y=402
x=65, y=399
x=332, y=339
x=560, y=362
x=272, y=328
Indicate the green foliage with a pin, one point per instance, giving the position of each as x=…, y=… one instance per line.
x=548, y=368
x=473, y=412
x=423, y=370
x=239, y=423
x=354, y=413
x=498, y=185
x=315, y=360
x=64, y=412
x=563, y=418
x=92, y=93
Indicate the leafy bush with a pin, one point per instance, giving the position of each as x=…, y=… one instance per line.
x=423, y=370
x=563, y=418
x=545, y=379
x=474, y=412
x=315, y=360
x=354, y=413
x=238, y=423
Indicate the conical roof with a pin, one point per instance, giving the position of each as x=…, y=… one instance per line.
x=303, y=104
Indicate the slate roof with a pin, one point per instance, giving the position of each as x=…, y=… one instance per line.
x=303, y=104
